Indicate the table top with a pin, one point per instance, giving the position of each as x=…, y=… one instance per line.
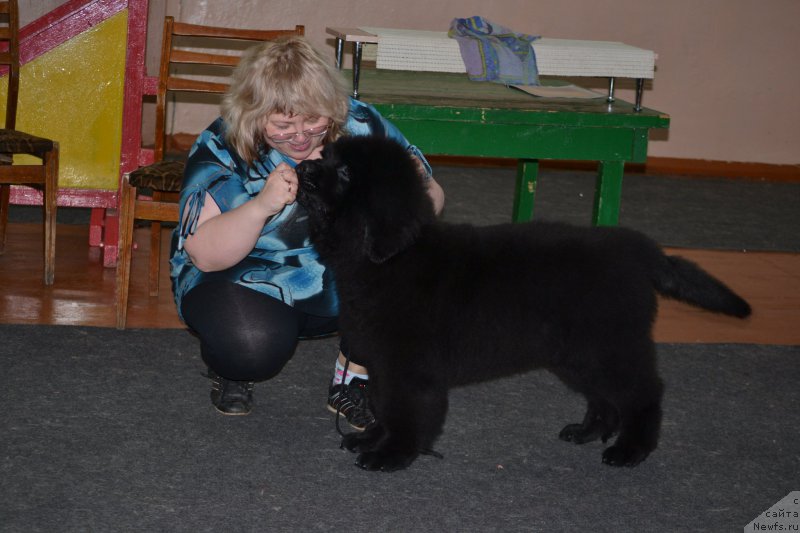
x=455, y=97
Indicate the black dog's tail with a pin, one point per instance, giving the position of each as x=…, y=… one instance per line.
x=678, y=278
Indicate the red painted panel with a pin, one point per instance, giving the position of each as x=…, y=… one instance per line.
x=56, y=27
x=136, y=83
x=63, y=23
x=67, y=197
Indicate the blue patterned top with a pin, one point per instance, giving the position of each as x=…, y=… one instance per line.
x=283, y=263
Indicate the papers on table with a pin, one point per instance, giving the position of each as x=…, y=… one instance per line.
x=434, y=51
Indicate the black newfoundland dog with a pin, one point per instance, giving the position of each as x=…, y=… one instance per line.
x=430, y=305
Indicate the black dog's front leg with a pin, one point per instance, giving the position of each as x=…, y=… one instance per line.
x=409, y=418
x=377, y=451
x=387, y=458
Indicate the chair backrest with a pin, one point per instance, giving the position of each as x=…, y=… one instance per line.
x=9, y=56
x=191, y=54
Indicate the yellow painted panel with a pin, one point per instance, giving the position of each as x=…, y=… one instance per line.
x=74, y=94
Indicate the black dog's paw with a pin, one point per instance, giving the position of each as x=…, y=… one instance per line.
x=386, y=461
x=619, y=455
x=350, y=442
x=574, y=433
x=365, y=441
x=580, y=434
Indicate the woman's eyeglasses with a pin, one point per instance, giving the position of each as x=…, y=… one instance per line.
x=319, y=131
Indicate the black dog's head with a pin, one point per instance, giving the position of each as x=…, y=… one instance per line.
x=365, y=199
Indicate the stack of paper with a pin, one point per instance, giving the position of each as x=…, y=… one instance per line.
x=434, y=51
x=429, y=51
x=567, y=57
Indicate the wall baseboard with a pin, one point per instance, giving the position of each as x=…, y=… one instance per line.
x=654, y=165
x=722, y=169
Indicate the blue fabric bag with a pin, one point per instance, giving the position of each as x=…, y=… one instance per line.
x=495, y=53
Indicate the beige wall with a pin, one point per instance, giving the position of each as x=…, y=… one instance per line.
x=727, y=70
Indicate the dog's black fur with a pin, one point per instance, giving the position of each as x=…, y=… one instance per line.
x=430, y=305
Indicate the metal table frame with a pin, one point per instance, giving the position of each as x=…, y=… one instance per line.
x=359, y=38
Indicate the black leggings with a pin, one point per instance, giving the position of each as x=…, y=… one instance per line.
x=246, y=335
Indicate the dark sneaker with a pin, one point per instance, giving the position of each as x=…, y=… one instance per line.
x=350, y=401
x=231, y=397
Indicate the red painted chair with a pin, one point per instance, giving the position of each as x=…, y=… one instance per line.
x=14, y=141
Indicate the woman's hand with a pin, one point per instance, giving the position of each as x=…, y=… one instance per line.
x=279, y=191
x=434, y=190
x=223, y=239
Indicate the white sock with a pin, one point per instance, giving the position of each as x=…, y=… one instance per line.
x=338, y=375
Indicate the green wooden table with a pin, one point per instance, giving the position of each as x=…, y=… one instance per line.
x=447, y=114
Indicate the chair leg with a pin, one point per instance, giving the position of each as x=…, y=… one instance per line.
x=50, y=205
x=155, y=251
x=5, y=196
x=126, y=211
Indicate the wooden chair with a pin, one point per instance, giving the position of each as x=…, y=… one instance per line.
x=163, y=178
x=13, y=142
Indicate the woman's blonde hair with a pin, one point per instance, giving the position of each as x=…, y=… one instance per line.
x=283, y=76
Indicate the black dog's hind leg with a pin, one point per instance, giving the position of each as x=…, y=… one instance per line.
x=637, y=397
x=638, y=436
x=624, y=395
x=600, y=422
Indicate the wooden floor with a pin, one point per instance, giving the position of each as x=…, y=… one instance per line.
x=83, y=292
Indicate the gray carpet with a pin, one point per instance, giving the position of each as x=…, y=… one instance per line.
x=113, y=431
x=709, y=213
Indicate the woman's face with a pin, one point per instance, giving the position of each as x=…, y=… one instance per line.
x=299, y=137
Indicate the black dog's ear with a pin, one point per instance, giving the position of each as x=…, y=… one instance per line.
x=384, y=241
x=343, y=175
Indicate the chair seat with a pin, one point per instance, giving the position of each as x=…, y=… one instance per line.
x=17, y=142
x=165, y=176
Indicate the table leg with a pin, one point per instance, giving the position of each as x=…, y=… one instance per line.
x=608, y=192
x=527, y=174
x=357, y=50
x=339, y=52
x=639, y=92
x=610, y=97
